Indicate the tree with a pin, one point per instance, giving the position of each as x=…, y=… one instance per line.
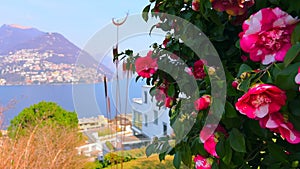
x=46, y=146
x=43, y=113
x=43, y=136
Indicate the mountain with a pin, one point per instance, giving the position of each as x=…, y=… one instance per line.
x=16, y=37
x=28, y=55
x=12, y=35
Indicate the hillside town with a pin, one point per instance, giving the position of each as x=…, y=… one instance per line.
x=29, y=66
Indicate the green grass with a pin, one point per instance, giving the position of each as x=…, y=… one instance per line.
x=109, y=145
x=143, y=162
x=105, y=132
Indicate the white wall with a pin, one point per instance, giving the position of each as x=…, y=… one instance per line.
x=149, y=128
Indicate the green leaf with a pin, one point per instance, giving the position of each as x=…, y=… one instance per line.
x=230, y=111
x=277, y=152
x=244, y=68
x=285, y=79
x=237, y=44
x=215, y=17
x=171, y=90
x=245, y=84
x=177, y=160
x=296, y=34
x=145, y=12
x=220, y=148
x=186, y=155
x=224, y=151
x=295, y=121
x=292, y=53
x=228, y=153
x=162, y=156
x=294, y=107
x=150, y=150
x=237, y=141
x=215, y=166
x=151, y=29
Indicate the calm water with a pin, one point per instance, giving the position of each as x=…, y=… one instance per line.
x=85, y=99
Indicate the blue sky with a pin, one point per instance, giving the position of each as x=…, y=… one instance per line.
x=76, y=20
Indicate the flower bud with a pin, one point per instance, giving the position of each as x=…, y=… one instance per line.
x=235, y=84
x=211, y=70
x=168, y=35
x=245, y=75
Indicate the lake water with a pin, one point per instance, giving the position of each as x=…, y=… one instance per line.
x=86, y=100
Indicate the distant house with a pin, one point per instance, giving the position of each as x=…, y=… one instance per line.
x=92, y=123
x=147, y=118
x=123, y=122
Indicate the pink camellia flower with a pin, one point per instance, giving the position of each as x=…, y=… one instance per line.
x=169, y=102
x=198, y=70
x=196, y=5
x=210, y=139
x=288, y=132
x=232, y=7
x=266, y=35
x=146, y=66
x=210, y=145
x=202, y=162
x=276, y=123
x=203, y=102
x=260, y=100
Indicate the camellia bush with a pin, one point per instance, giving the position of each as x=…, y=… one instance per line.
x=229, y=72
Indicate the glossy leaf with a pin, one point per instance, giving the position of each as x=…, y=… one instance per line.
x=296, y=34
x=146, y=12
x=292, y=53
x=237, y=141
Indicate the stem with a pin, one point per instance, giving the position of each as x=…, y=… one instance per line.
x=264, y=72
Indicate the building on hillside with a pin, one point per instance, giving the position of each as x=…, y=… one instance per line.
x=147, y=118
x=92, y=123
x=123, y=122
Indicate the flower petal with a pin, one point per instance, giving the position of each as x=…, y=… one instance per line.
x=262, y=111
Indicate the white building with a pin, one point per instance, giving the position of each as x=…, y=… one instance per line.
x=92, y=123
x=148, y=119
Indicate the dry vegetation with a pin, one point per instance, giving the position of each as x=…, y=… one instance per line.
x=47, y=147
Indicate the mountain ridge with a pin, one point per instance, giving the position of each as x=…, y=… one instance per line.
x=50, y=47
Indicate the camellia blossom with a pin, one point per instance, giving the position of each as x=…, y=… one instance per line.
x=196, y=5
x=169, y=102
x=198, y=69
x=146, y=66
x=232, y=7
x=260, y=100
x=210, y=142
x=266, y=35
x=203, y=102
x=276, y=123
x=210, y=145
x=202, y=162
